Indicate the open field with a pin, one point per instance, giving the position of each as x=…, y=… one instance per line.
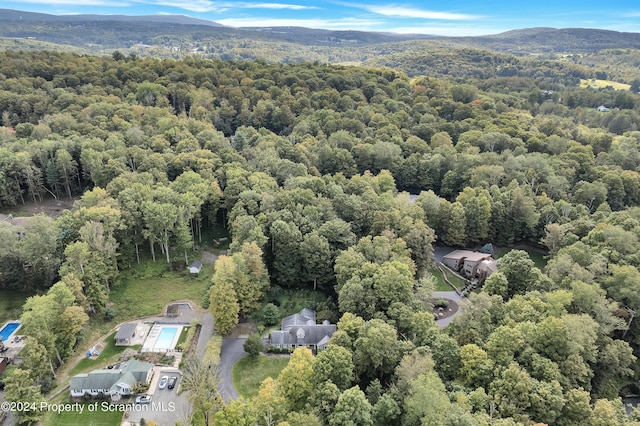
x=601, y=84
x=249, y=373
x=11, y=302
x=147, y=288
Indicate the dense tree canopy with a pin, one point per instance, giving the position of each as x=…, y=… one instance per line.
x=309, y=166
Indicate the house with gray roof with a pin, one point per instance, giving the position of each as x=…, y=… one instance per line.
x=301, y=329
x=116, y=382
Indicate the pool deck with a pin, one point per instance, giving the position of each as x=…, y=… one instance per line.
x=142, y=330
x=12, y=334
x=152, y=338
x=14, y=343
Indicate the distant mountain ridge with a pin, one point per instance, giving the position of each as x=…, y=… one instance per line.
x=178, y=35
x=20, y=16
x=560, y=39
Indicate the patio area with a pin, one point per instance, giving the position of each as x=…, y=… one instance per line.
x=162, y=338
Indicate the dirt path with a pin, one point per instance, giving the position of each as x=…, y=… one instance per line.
x=50, y=207
x=208, y=258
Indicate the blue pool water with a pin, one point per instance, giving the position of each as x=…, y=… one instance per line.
x=165, y=338
x=8, y=330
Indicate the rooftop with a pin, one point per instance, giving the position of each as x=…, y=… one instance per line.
x=126, y=330
x=466, y=254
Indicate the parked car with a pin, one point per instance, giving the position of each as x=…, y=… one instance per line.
x=163, y=382
x=172, y=382
x=143, y=399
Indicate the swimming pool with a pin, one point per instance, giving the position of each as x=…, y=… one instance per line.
x=8, y=330
x=165, y=338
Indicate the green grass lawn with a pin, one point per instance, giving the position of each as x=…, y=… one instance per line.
x=108, y=355
x=249, y=373
x=74, y=418
x=147, y=288
x=183, y=336
x=11, y=304
x=440, y=284
x=537, y=257
x=454, y=279
x=601, y=84
x=99, y=417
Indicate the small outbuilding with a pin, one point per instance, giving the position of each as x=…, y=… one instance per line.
x=195, y=267
x=125, y=333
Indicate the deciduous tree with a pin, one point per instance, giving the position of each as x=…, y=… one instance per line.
x=223, y=305
x=296, y=379
x=352, y=408
x=335, y=364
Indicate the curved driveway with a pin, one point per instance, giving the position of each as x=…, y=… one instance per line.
x=451, y=295
x=232, y=351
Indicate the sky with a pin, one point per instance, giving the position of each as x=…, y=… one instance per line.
x=449, y=18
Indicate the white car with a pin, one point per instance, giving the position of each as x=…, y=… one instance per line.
x=143, y=399
x=163, y=382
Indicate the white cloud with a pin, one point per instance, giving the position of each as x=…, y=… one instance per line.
x=358, y=24
x=334, y=24
x=273, y=6
x=109, y=3
x=192, y=5
x=210, y=6
x=410, y=12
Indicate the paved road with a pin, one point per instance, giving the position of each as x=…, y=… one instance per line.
x=232, y=351
x=452, y=295
x=206, y=331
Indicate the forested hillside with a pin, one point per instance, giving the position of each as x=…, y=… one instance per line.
x=309, y=165
x=512, y=53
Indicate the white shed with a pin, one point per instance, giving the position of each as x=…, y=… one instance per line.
x=195, y=267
